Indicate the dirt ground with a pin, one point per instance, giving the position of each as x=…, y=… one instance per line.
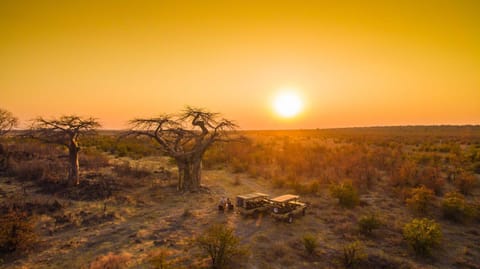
x=151, y=215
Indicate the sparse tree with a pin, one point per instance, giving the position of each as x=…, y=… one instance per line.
x=7, y=122
x=221, y=244
x=65, y=131
x=185, y=138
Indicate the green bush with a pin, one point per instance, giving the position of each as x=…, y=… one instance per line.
x=368, y=223
x=454, y=207
x=353, y=254
x=422, y=235
x=310, y=243
x=420, y=199
x=221, y=245
x=345, y=193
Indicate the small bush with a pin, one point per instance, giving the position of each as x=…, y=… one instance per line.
x=368, y=223
x=111, y=261
x=422, y=235
x=126, y=170
x=28, y=170
x=39, y=170
x=310, y=243
x=345, y=193
x=238, y=166
x=16, y=232
x=187, y=213
x=466, y=183
x=279, y=183
x=420, y=199
x=353, y=254
x=221, y=245
x=454, y=207
x=159, y=259
x=476, y=210
x=93, y=159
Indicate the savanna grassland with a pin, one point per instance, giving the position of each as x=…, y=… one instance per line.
x=380, y=197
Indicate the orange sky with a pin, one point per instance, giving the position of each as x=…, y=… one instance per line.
x=357, y=63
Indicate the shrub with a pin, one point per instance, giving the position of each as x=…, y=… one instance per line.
x=93, y=159
x=430, y=177
x=310, y=243
x=28, y=170
x=187, y=213
x=159, y=259
x=368, y=223
x=125, y=169
x=353, y=254
x=420, y=199
x=238, y=166
x=476, y=167
x=221, y=245
x=279, y=182
x=476, y=210
x=111, y=261
x=465, y=183
x=16, y=232
x=422, y=235
x=345, y=193
x=454, y=207
x=39, y=170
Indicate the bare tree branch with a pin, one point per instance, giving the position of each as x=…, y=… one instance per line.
x=185, y=137
x=7, y=122
x=65, y=131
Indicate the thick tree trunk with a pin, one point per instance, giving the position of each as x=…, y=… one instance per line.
x=189, y=174
x=73, y=172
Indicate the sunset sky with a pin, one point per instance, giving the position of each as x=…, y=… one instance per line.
x=353, y=63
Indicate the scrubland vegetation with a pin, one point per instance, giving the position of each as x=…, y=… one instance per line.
x=391, y=197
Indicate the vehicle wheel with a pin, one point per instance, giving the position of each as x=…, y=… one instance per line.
x=290, y=218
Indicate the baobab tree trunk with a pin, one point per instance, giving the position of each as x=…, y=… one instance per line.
x=73, y=172
x=189, y=173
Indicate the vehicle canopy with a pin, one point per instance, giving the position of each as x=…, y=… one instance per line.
x=285, y=198
x=243, y=199
x=252, y=196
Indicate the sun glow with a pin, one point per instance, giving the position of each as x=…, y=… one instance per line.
x=287, y=104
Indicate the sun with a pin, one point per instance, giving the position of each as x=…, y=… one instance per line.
x=287, y=104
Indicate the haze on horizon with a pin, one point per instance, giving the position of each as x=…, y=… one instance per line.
x=354, y=63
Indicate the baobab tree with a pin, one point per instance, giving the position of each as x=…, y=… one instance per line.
x=65, y=131
x=185, y=138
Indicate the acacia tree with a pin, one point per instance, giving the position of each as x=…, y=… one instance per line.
x=185, y=137
x=65, y=131
x=7, y=121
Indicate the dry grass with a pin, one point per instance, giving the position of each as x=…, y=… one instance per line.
x=153, y=223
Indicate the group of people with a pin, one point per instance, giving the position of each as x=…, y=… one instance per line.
x=225, y=203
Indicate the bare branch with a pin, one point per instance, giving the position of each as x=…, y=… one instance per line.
x=62, y=130
x=190, y=132
x=7, y=121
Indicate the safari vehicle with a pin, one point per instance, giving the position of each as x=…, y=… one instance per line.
x=287, y=207
x=252, y=203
